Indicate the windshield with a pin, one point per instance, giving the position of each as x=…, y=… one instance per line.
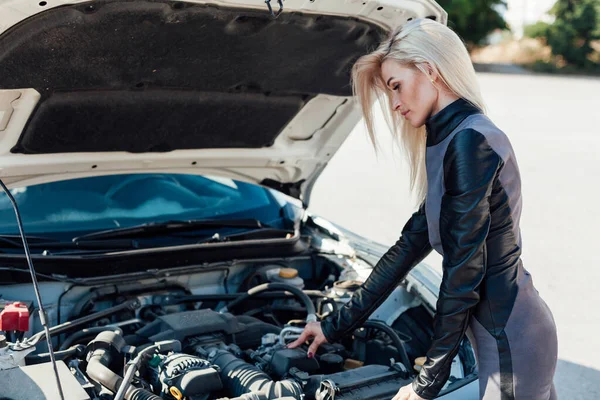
x=115, y=201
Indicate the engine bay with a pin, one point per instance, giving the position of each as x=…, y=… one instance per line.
x=217, y=333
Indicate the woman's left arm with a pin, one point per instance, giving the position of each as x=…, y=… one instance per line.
x=470, y=167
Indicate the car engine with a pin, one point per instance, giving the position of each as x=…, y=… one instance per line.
x=164, y=340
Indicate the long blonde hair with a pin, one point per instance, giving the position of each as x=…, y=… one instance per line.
x=423, y=44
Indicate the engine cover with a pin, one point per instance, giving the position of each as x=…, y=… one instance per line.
x=203, y=327
x=190, y=323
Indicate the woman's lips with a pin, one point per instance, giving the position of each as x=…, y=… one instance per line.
x=405, y=112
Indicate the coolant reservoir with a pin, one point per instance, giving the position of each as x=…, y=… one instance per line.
x=285, y=275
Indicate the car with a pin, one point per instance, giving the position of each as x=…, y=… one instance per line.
x=161, y=155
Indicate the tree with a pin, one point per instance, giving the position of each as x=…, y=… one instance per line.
x=573, y=30
x=473, y=20
x=537, y=30
x=597, y=32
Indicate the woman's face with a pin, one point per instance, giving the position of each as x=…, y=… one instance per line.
x=412, y=92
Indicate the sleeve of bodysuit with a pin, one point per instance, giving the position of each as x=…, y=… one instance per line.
x=409, y=250
x=470, y=167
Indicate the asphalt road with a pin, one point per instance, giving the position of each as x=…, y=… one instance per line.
x=554, y=126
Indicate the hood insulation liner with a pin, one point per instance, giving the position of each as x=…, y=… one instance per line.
x=145, y=76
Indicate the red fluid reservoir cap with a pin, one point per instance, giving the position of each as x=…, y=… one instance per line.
x=14, y=317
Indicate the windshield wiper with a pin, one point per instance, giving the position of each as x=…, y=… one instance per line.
x=264, y=233
x=154, y=228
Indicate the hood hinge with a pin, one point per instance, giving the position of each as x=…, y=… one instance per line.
x=289, y=188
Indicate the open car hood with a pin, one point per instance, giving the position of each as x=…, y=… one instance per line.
x=202, y=87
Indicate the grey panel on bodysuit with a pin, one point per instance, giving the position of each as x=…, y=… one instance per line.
x=509, y=175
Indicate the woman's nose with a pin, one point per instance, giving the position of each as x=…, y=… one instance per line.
x=396, y=103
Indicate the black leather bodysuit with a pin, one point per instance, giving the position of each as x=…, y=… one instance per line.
x=471, y=217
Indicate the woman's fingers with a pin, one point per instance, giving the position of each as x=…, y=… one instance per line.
x=312, y=329
x=304, y=336
x=312, y=349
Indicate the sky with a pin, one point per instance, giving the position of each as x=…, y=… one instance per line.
x=526, y=11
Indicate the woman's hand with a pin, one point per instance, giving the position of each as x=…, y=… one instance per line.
x=407, y=393
x=311, y=330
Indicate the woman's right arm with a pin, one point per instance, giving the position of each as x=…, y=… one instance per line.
x=412, y=247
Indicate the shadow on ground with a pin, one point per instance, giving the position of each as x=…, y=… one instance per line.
x=576, y=382
x=501, y=68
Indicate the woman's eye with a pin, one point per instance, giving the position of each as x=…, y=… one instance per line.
x=397, y=86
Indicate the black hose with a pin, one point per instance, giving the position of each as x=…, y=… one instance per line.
x=88, y=332
x=398, y=343
x=59, y=301
x=62, y=354
x=310, y=307
x=242, y=378
x=97, y=370
x=142, y=394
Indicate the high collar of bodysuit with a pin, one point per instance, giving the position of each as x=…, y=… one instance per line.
x=444, y=122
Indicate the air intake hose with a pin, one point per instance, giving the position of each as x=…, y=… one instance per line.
x=243, y=379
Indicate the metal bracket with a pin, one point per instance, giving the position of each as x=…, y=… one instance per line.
x=6, y=108
x=275, y=14
x=327, y=390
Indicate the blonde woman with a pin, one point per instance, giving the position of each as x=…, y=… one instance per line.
x=466, y=175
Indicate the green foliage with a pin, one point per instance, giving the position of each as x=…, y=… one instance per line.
x=473, y=20
x=597, y=32
x=546, y=67
x=575, y=27
x=537, y=30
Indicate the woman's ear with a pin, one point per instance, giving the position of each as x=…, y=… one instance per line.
x=429, y=71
